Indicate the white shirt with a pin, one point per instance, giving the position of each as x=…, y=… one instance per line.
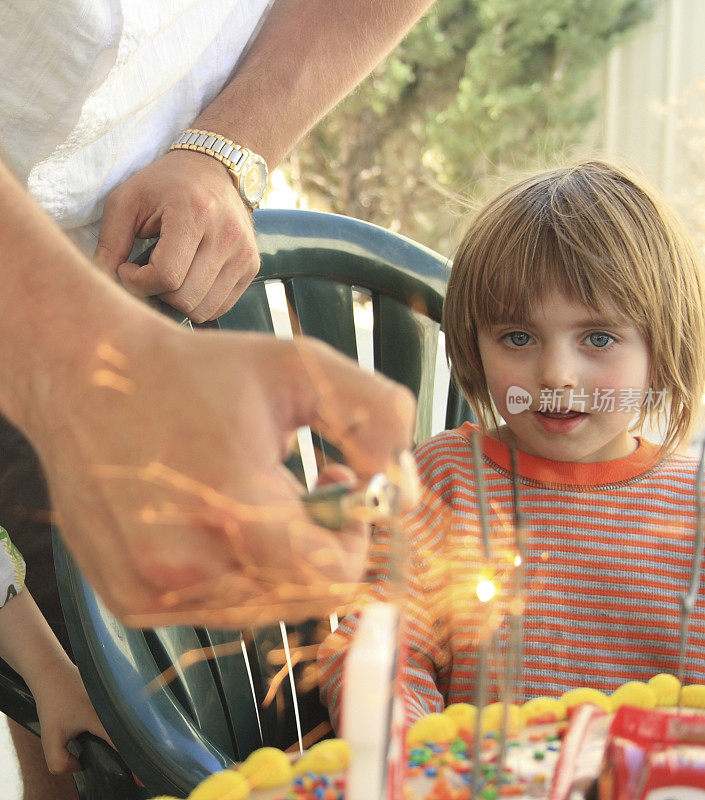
x=94, y=90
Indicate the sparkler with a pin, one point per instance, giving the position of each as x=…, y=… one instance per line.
x=483, y=649
x=512, y=675
x=335, y=505
x=486, y=591
x=688, y=598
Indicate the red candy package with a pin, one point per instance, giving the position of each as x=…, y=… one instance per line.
x=676, y=772
x=659, y=725
x=654, y=754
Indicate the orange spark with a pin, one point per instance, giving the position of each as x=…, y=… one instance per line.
x=305, y=653
x=159, y=474
x=106, y=352
x=106, y=377
x=277, y=680
x=189, y=658
x=310, y=738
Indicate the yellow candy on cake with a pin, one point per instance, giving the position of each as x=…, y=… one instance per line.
x=266, y=768
x=576, y=697
x=432, y=728
x=693, y=696
x=546, y=709
x=633, y=693
x=491, y=719
x=463, y=714
x=223, y=785
x=340, y=747
x=324, y=758
x=666, y=687
x=269, y=768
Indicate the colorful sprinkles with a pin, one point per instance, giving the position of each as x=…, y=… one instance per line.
x=448, y=773
x=316, y=787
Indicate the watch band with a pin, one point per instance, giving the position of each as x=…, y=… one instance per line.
x=231, y=155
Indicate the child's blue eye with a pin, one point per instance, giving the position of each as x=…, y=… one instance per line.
x=600, y=339
x=518, y=338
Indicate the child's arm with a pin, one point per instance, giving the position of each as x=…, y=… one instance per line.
x=29, y=646
x=424, y=650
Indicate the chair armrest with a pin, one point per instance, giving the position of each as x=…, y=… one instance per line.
x=104, y=775
x=16, y=700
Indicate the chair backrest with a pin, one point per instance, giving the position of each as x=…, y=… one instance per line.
x=181, y=702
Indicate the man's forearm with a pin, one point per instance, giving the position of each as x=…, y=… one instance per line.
x=55, y=306
x=308, y=56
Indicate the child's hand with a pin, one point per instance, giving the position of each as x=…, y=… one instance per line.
x=64, y=711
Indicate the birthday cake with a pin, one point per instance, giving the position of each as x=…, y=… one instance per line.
x=553, y=748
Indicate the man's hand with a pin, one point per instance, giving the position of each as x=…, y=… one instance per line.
x=163, y=447
x=166, y=474
x=206, y=255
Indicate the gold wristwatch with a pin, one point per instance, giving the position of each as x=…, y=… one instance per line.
x=248, y=170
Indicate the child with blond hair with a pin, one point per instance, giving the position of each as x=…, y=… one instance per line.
x=574, y=314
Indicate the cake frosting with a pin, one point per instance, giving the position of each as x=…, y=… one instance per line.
x=440, y=750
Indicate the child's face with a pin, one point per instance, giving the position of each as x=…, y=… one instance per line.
x=586, y=374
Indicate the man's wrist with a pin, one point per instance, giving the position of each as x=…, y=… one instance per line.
x=247, y=169
x=92, y=360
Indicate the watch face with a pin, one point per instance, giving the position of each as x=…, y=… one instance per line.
x=254, y=180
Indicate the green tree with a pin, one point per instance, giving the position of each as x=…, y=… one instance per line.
x=689, y=199
x=477, y=86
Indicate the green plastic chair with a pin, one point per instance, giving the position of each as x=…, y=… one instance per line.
x=326, y=270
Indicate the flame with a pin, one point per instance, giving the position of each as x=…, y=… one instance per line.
x=486, y=590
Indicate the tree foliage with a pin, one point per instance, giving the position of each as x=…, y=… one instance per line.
x=689, y=200
x=477, y=86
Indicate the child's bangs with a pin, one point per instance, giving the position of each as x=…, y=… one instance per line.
x=537, y=264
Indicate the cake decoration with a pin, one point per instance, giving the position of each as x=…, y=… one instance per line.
x=553, y=743
x=224, y=785
x=266, y=767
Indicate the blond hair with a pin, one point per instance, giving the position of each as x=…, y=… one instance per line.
x=598, y=234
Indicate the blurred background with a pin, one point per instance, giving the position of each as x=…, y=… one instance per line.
x=483, y=88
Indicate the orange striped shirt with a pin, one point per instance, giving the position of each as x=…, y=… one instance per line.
x=609, y=553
